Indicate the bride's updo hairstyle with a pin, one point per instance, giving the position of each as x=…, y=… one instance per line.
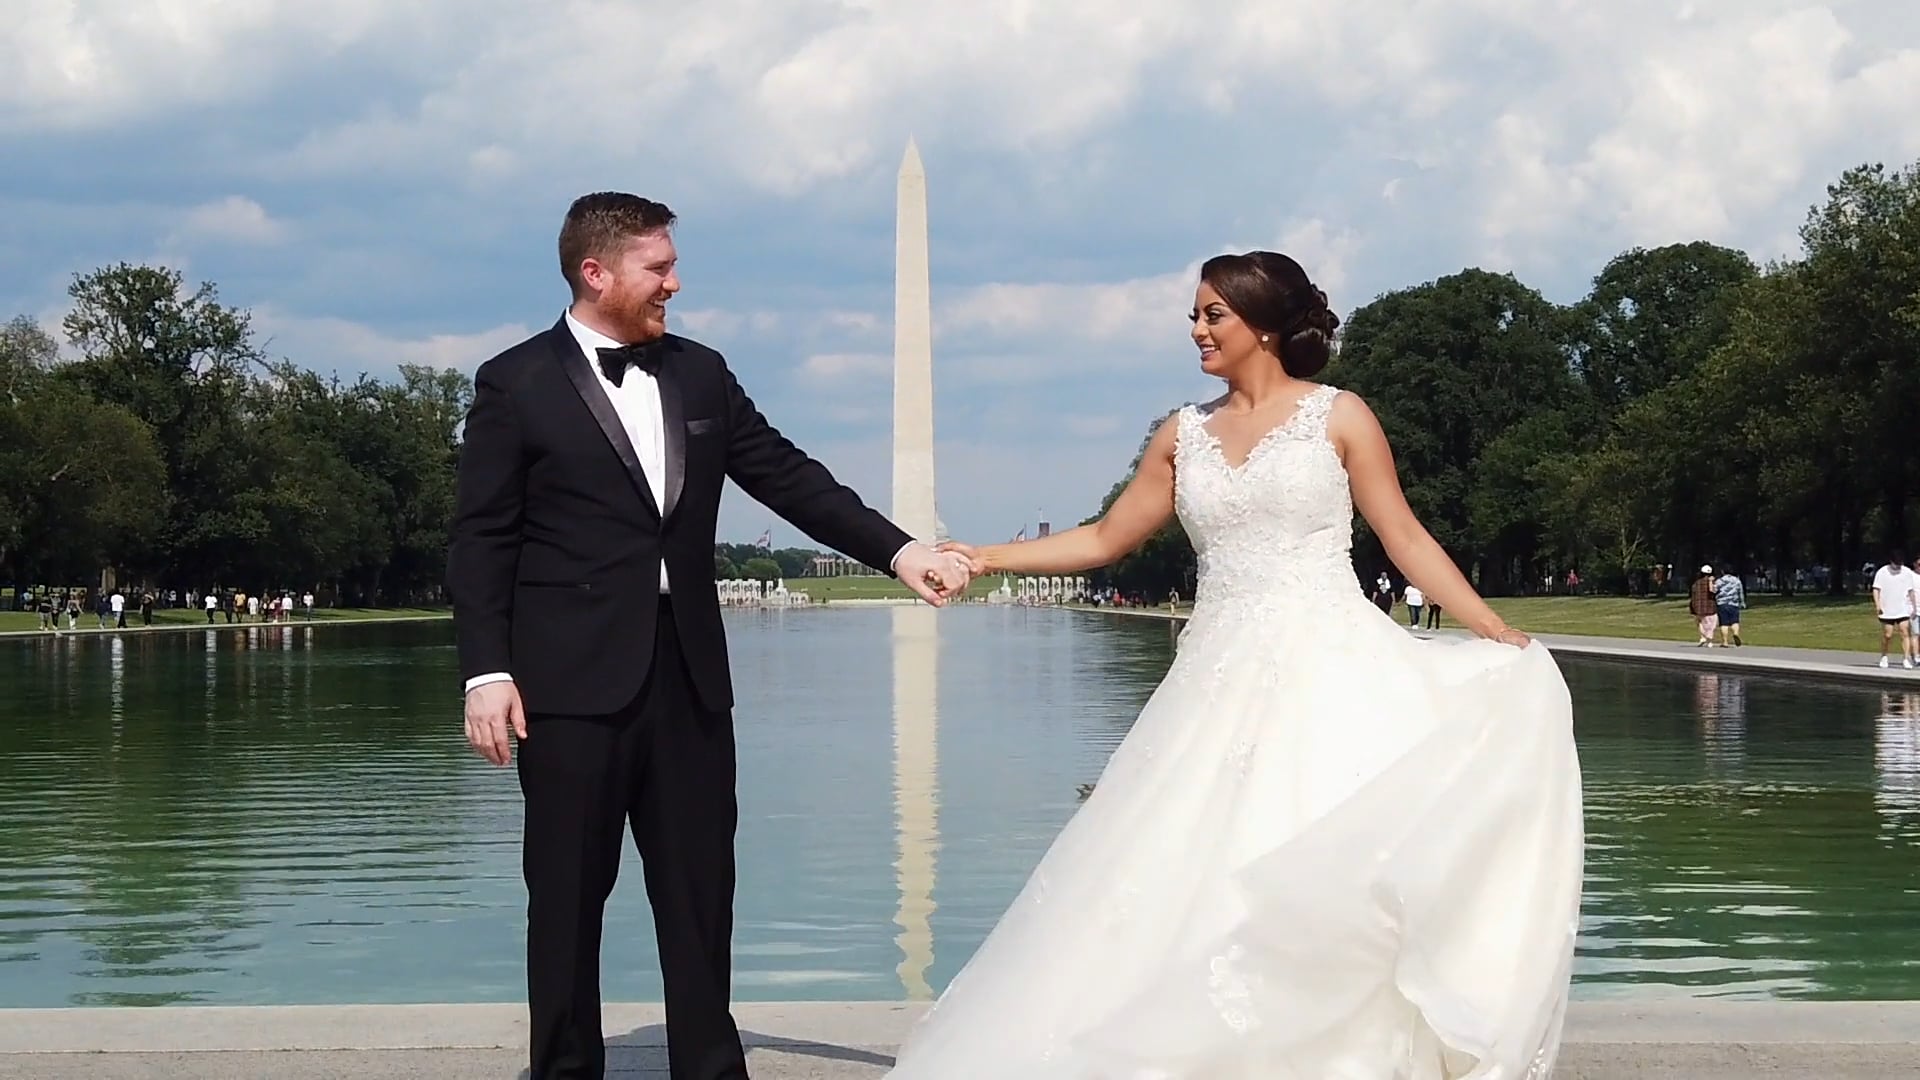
x=1272, y=294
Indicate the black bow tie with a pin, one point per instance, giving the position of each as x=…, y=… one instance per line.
x=614, y=362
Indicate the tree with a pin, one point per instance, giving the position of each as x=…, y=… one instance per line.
x=1653, y=316
x=1862, y=273
x=84, y=480
x=178, y=361
x=1448, y=367
x=1164, y=562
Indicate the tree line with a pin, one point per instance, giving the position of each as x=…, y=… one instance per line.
x=165, y=446
x=1693, y=407
x=169, y=448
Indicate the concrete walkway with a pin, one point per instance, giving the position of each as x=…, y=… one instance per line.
x=1687, y=1039
x=1832, y=664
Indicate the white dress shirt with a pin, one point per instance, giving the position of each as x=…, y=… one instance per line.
x=637, y=402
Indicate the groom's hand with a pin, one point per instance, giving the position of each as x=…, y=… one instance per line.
x=492, y=709
x=933, y=576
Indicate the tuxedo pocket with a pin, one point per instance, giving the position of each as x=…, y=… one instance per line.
x=703, y=426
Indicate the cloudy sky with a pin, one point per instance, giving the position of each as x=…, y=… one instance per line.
x=380, y=181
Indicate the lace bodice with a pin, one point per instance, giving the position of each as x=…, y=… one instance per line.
x=1279, y=527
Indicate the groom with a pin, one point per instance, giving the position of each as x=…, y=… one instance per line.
x=588, y=625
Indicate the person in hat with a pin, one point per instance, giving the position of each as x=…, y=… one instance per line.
x=1702, y=606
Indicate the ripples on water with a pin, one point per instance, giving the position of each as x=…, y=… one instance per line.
x=290, y=814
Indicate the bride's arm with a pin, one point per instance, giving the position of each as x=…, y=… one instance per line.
x=1145, y=505
x=1355, y=433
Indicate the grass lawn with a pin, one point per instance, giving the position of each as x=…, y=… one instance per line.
x=178, y=618
x=1813, y=622
x=1816, y=622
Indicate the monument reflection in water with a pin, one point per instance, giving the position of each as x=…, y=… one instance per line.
x=916, y=789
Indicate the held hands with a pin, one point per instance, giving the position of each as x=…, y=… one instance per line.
x=935, y=576
x=493, y=708
x=975, y=565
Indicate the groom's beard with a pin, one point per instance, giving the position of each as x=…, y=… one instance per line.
x=635, y=316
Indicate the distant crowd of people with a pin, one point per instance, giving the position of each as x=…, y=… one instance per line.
x=111, y=607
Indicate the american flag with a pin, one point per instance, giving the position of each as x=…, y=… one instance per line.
x=765, y=541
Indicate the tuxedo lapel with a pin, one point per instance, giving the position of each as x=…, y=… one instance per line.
x=575, y=363
x=673, y=418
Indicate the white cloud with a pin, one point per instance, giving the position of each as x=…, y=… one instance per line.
x=88, y=63
x=839, y=366
x=327, y=343
x=858, y=323
x=1545, y=117
x=722, y=324
x=1326, y=252
x=234, y=219
x=1118, y=311
x=1697, y=126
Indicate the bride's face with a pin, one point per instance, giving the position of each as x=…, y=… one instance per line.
x=1225, y=341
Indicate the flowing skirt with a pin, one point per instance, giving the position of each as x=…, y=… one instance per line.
x=1327, y=850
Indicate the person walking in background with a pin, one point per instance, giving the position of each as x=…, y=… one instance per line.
x=1702, y=605
x=1894, y=586
x=1415, y=601
x=1383, y=592
x=1729, y=596
x=1913, y=624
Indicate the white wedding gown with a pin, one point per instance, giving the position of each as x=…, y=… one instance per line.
x=1327, y=850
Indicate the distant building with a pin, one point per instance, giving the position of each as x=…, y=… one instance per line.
x=837, y=565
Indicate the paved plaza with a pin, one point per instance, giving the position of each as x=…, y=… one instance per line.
x=1683, y=1039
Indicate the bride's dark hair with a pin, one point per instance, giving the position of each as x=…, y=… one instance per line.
x=1272, y=294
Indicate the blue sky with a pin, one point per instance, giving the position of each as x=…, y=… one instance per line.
x=381, y=180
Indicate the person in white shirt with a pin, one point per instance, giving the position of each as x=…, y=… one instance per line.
x=212, y=603
x=1894, y=588
x=119, y=605
x=1415, y=601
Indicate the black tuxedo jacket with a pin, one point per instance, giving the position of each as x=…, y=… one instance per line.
x=556, y=544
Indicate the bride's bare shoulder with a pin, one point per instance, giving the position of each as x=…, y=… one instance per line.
x=1207, y=408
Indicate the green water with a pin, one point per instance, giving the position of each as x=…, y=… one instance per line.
x=267, y=815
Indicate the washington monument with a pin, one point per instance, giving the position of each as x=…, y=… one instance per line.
x=913, y=496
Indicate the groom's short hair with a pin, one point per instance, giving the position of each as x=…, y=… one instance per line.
x=600, y=224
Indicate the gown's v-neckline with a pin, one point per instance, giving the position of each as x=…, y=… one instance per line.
x=1259, y=444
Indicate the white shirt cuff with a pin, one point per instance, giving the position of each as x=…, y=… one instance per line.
x=895, y=561
x=482, y=680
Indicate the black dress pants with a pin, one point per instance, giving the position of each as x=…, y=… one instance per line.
x=664, y=766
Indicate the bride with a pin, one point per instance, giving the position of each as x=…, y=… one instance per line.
x=1328, y=849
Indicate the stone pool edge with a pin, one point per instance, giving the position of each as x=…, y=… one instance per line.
x=1892, y=1025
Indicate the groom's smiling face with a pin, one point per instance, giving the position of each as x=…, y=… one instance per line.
x=636, y=285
